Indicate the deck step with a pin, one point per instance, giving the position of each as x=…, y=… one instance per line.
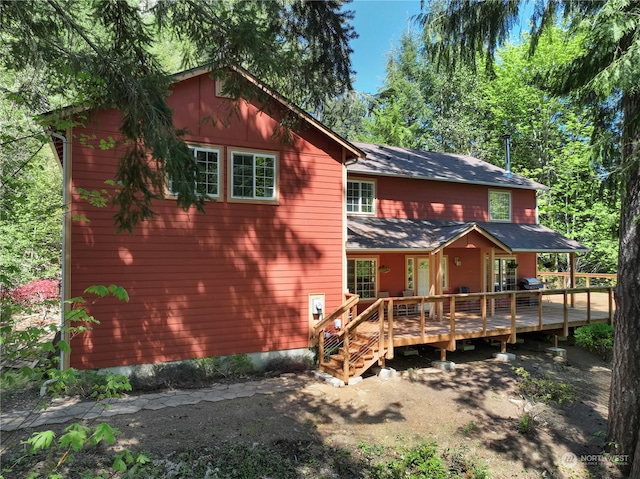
x=338, y=359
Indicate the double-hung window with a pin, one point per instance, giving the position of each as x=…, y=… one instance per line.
x=208, y=179
x=253, y=176
x=360, y=196
x=499, y=205
x=361, y=277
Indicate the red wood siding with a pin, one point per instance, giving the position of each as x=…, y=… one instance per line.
x=409, y=198
x=233, y=280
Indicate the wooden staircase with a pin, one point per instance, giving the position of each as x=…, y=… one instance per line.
x=360, y=341
x=363, y=352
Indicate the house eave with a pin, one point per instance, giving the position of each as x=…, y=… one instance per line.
x=562, y=251
x=388, y=250
x=450, y=180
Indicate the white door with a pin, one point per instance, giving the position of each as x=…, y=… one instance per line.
x=423, y=277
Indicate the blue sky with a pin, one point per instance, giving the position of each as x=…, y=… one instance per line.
x=380, y=24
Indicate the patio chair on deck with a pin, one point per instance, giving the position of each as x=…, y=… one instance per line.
x=464, y=305
x=384, y=294
x=406, y=309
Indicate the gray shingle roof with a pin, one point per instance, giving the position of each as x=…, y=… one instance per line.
x=409, y=163
x=370, y=234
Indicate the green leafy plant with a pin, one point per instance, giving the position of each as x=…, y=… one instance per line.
x=596, y=338
x=41, y=344
x=237, y=365
x=469, y=428
x=544, y=389
x=526, y=424
x=461, y=465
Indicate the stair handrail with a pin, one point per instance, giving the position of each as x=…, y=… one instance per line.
x=351, y=301
x=373, y=307
x=364, y=315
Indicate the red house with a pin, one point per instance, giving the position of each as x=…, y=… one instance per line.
x=288, y=230
x=437, y=223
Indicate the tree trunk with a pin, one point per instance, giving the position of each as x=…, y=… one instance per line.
x=624, y=404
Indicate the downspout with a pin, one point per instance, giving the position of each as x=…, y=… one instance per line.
x=64, y=358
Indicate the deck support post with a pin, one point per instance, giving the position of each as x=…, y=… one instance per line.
x=610, y=305
x=555, y=340
x=503, y=346
x=572, y=277
x=443, y=354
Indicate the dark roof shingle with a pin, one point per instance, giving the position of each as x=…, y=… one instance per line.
x=370, y=234
x=409, y=163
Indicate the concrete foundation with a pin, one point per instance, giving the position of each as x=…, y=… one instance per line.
x=386, y=373
x=557, y=352
x=410, y=352
x=443, y=365
x=504, y=357
x=465, y=346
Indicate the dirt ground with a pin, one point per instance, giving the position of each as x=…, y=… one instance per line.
x=476, y=407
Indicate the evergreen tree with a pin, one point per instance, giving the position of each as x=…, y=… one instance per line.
x=605, y=72
x=99, y=55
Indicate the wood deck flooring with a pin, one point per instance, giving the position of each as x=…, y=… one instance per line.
x=468, y=323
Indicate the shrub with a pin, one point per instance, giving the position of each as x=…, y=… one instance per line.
x=544, y=389
x=36, y=292
x=287, y=365
x=526, y=424
x=596, y=338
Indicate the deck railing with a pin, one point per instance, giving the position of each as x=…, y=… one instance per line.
x=443, y=319
x=562, y=280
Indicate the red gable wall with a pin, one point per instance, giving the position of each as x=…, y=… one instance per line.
x=410, y=198
x=233, y=280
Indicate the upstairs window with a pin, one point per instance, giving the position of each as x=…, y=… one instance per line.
x=499, y=205
x=208, y=180
x=360, y=195
x=253, y=176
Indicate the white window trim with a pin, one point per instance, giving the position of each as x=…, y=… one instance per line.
x=506, y=259
x=410, y=283
x=375, y=260
x=500, y=192
x=255, y=199
x=445, y=272
x=373, y=200
x=210, y=149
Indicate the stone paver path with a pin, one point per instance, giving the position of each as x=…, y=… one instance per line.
x=70, y=409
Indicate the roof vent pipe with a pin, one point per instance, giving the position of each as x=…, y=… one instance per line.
x=507, y=154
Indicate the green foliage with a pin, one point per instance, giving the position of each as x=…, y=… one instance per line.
x=544, y=389
x=461, y=465
x=293, y=459
x=106, y=57
x=193, y=373
x=526, y=424
x=469, y=428
x=462, y=110
x=422, y=461
x=30, y=213
x=37, y=344
x=287, y=364
x=237, y=365
x=419, y=108
x=596, y=338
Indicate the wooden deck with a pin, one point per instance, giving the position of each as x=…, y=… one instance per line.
x=441, y=321
x=530, y=315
